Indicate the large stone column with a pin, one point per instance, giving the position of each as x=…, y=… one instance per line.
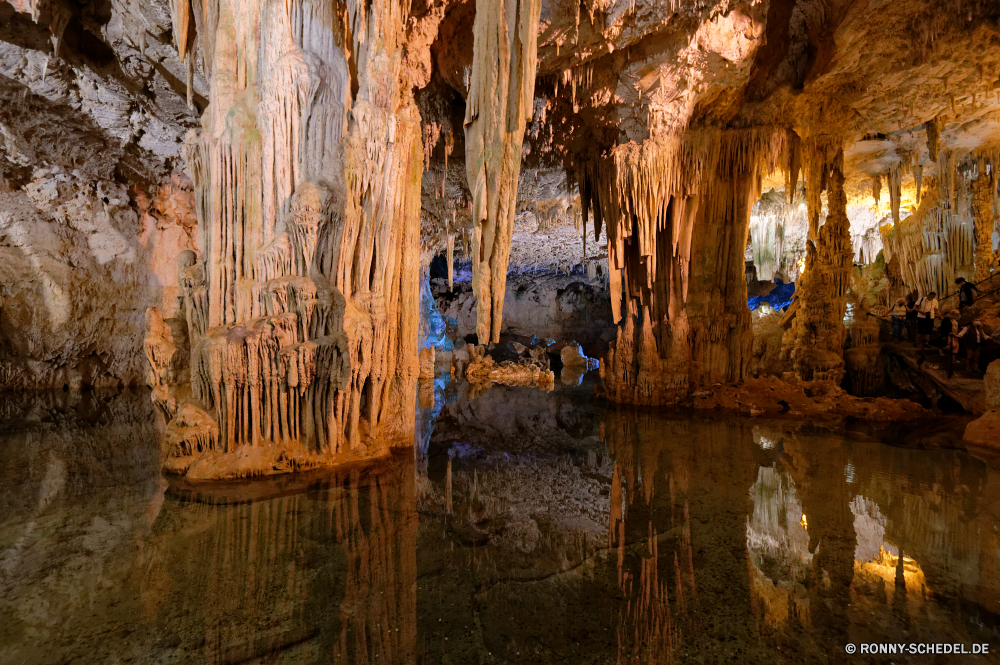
x=678, y=213
x=307, y=171
x=816, y=338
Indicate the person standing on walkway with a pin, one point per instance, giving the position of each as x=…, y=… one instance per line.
x=967, y=293
x=911, y=317
x=897, y=317
x=927, y=310
x=972, y=337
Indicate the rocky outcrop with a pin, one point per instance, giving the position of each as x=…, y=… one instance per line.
x=985, y=430
x=79, y=264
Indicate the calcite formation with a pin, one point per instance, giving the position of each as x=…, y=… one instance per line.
x=301, y=310
x=678, y=212
x=501, y=95
x=326, y=165
x=984, y=197
x=815, y=341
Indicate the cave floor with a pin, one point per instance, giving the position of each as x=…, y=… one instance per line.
x=523, y=527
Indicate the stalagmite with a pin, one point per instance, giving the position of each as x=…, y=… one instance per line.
x=303, y=308
x=815, y=340
x=500, y=101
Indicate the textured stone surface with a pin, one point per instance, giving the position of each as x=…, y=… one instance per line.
x=991, y=383
x=654, y=123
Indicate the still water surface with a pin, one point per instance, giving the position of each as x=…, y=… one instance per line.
x=523, y=528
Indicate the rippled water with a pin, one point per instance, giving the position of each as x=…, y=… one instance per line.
x=524, y=528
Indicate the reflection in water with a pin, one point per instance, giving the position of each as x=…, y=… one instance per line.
x=550, y=529
x=101, y=565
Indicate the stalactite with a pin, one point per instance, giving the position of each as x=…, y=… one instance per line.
x=774, y=256
x=931, y=128
x=935, y=244
x=895, y=178
x=815, y=341
x=60, y=17
x=876, y=187
x=500, y=101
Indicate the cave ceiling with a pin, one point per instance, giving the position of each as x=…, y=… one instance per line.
x=99, y=87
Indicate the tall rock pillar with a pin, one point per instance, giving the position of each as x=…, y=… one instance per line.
x=985, y=220
x=307, y=171
x=678, y=214
x=816, y=338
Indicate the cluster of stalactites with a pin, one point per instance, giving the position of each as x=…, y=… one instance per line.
x=950, y=232
x=501, y=95
x=643, y=191
x=774, y=254
x=665, y=202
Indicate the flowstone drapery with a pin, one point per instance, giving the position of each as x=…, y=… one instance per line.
x=678, y=213
x=302, y=310
x=501, y=94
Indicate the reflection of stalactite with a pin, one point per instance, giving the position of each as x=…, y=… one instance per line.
x=777, y=541
x=666, y=202
x=864, y=361
x=830, y=521
x=662, y=472
x=329, y=564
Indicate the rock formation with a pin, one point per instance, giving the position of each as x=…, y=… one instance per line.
x=501, y=96
x=257, y=190
x=678, y=212
x=301, y=310
x=816, y=339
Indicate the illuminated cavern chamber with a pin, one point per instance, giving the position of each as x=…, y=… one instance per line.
x=277, y=200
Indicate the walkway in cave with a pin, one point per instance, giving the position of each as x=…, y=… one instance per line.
x=928, y=369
